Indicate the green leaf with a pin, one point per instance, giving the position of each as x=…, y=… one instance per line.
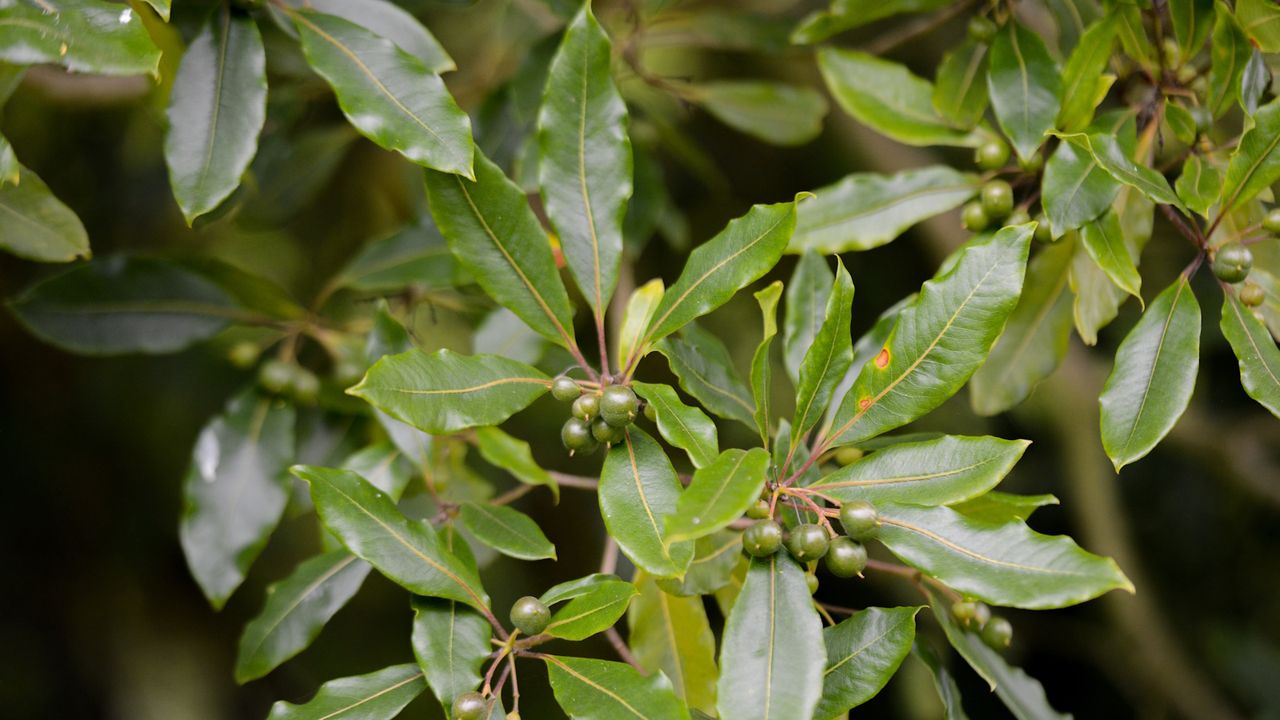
x=10, y=168
x=1229, y=51
x=381, y=694
x=943, y=680
x=235, y=491
x=1179, y=120
x=1190, y=24
x=216, y=111
x=1000, y=507
x=638, y=489
x=414, y=256
x=635, y=320
x=863, y=652
x=507, y=530
x=514, y=456
x=571, y=589
x=35, y=225
x=1084, y=79
x=702, y=363
x=585, y=158
x=1076, y=189
x=443, y=392
x=296, y=610
x=1256, y=350
x=593, y=611
x=495, y=235
x=941, y=471
x=771, y=656
x=761, y=362
x=864, y=350
x=719, y=494
x=1005, y=564
x=939, y=339
x=603, y=690
x=1024, y=86
x=1198, y=184
x=1154, y=375
x=1255, y=164
x=672, y=635
x=161, y=7
x=849, y=14
x=84, y=36
x=451, y=642
x=714, y=559
x=806, y=300
x=960, y=94
x=867, y=210
x=1254, y=81
x=372, y=528
x=387, y=19
x=1261, y=21
x=1110, y=156
x=684, y=426
x=828, y=358
x=776, y=113
x=1034, y=340
x=746, y=249
x=388, y=95
x=1103, y=241
x=888, y=98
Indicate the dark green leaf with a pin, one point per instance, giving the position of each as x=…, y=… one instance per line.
x=705, y=369
x=773, y=112
x=451, y=642
x=414, y=256
x=761, y=362
x=1024, y=86
x=514, y=456
x=84, y=36
x=1255, y=164
x=603, y=690
x=1229, y=52
x=1198, y=184
x=1000, y=507
x=377, y=696
x=1103, y=240
x=1256, y=350
x=1076, y=188
x=684, y=426
x=387, y=19
x=806, y=301
x=828, y=358
x=593, y=611
x=507, y=530
x=1084, y=79
x=719, y=494
x=1110, y=156
x=863, y=652
x=1190, y=24
x=960, y=94
x=638, y=490
x=672, y=635
x=714, y=558
x=35, y=225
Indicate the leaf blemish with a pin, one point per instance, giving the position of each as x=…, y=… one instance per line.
x=882, y=360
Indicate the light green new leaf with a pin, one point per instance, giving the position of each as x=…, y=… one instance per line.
x=1256, y=350
x=1076, y=189
x=863, y=652
x=867, y=210
x=960, y=94
x=604, y=690
x=828, y=358
x=1001, y=507
x=1025, y=87
x=507, y=530
x=940, y=471
x=385, y=18
x=771, y=656
x=1255, y=164
x=571, y=589
x=235, y=491
x=1154, y=375
x=1006, y=564
x=35, y=225
x=849, y=14
x=1198, y=184
x=216, y=111
x=1190, y=24
x=806, y=299
x=761, y=363
x=638, y=490
x=672, y=635
x=746, y=249
x=415, y=255
x=443, y=392
x=1084, y=79
x=585, y=158
x=381, y=694
x=93, y=37
x=635, y=320
x=451, y=642
x=702, y=363
x=1110, y=156
x=714, y=559
x=684, y=426
x=1034, y=340
x=776, y=113
x=514, y=456
x=593, y=611
x=1103, y=240
x=373, y=528
x=1261, y=21
x=1229, y=52
x=939, y=339
x=719, y=494
x=390, y=96
x=888, y=98
x=497, y=238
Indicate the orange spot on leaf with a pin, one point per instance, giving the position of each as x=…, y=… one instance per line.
x=864, y=403
x=882, y=360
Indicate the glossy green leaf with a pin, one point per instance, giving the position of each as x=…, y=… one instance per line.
x=1025, y=87
x=1190, y=24
x=1103, y=240
x=960, y=94
x=1229, y=51
x=635, y=320
x=1110, y=156
x=941, y=471
x=888, y=98
x=771, y=655
x=806, y=302
x=1198, y=184
x=864, y=351
x=714, y=559
x=1261, y=21
x=414, y=256
x=1084, y=79
x=828, y=358
x=776, y=113
x=585, y=158
x=638, y=490
x=216, y=111
x=593, y=611
x=1254, y=81
x=373, y=528
x=378, y=695
x=1076, y=188
x=384, y=466
x=387, y=337
x=507, y=530
x=1001, y=507
x=161, y=7
x=571, y=589
x=235, y=491
x=443, y=392
x=939, y=339
x=35, y=225
x=296, y=610
x=761, y=362
x=603, y=690
x=746, y=249
x=719, y=494
x=515, y=456
x=863, y=652
x=451, y=642
x=943, y=680
x=495, y=235
x=10, y=169
x=867, y=210
x=390, y=96
x=702, y=363
x=1153, y=377
x=684, y=426
x=1256, y=350
x=84, y=36
x=849, y=14
x=1035, y=338
x=385, y=18
x=672, y=635
x=1255, y=164
x=1179, y=120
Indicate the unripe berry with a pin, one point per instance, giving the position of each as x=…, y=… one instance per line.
x=1017, y=217
x=860, y=520
x=565, y=389
x=808, y=542
x=529, y=615
x=576, y=436
x=963, y=611
x=275, y=376
x=586, y=407
x=1031, y=164
x=606, y=433
x=618, y=405
x=1252, y=294
x=1044, y=231
x=243, y=354
x=973, y=217
x=997, y=633
x=469, y=706
x=848, y=455
x=812, y=581
x=1271, y=223
x=846, y=557
x=762, y=539
x=981, y=29
x=991, y=155
x=1186, y=74
x=304, y=386
x=759, y=511
x=997, y=199
x=1232, y=262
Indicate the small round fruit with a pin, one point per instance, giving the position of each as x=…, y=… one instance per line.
x=530, y=616
x=469, y=706
x=576, y=436
x=997, y=633
x=565, y=389
x=1031, y=164
x=1202, y=117
x=848, y=455
x=991, y=155
x=1018, y=217
x=997, y=199
x=243, y=354
x=963, y=611
x=981, y=29
x=974, y=218
x=651, y=412
x=618, y=405
x=606, y=433
x=808, y=542
x=762, y=539
x=586, y=407
x=812, y=582
x=1232, y=262
x=1044, y=231
x=759, y=511
x=860, y=520
x=304, y=386
x=1172, y=53
x=846, y=557
x=1186, y=74
x=981, y=615
x=1271, y=223
x=275, y=376
x=1252, y=294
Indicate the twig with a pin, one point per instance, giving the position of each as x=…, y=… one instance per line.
x=621, y=647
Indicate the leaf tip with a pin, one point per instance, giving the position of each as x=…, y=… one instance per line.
x=803, y=195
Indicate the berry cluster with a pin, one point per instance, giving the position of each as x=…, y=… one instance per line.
x=994, y=630
x=1232, y=262
x=599, y=416
x=844, y=555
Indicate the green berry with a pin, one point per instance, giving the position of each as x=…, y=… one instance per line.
x=243, y=354
x=981, y=29
x=618, y=405
x=997, y=633
x=1252, y=294
x=808, y=542
x=762, y=539
x=304, y=386
x=812, y=581
x=981, y=614
x=576, y=436
x=586, y=407
x=860, y=520
x=275, y=376
x=565, y=389
x=846, y=557
x=848, y=455
x=1271, y=223
x=469, y=706
x=963, y=611
x=606, y=433
x=1172, y=53
x=1186, y=74
x=529, y=615
x=1044, y=231
x=997, y=199
x=991, y=155
x=651, y=412
x=1017, y=217
x=974, y=218
x=759, y=511
x=1031, y=164
x=1232, y=262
